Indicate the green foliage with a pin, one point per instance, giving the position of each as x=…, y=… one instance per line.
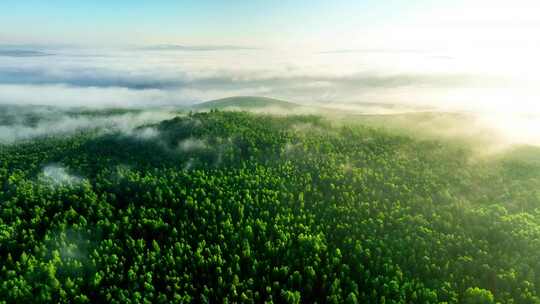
x=241, y=208
x=477, y=296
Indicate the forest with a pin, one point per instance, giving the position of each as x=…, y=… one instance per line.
x=238, y=207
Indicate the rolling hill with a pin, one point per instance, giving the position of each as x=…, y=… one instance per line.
x=246, y=103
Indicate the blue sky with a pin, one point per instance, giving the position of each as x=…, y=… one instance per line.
x=256, y=22
x=338, y=24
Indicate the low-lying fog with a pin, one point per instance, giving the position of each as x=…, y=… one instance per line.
x=24, y=122
x=499, y=88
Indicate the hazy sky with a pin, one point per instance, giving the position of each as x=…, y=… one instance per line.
x=460, y=54
x=337, y=24
x=254, y=22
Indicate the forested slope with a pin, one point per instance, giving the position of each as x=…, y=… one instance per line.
x=242, y=208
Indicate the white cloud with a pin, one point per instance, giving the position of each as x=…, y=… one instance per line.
x=192, y=144
x=473, y=80
x=58, y=175
x=61, y=124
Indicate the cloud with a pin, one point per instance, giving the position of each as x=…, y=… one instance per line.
x=145, y=133
x=184, y=75
x=192, y=144
x=388, y=51
x=11, y=51
x=159, y=78
x=87, y=77
x=53, y=123
x=67, y=96
x=56, y=175
x=191, y=48
x=22, y=53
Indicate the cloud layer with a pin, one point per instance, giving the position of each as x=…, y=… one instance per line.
x=180, y=75
x=22, y=53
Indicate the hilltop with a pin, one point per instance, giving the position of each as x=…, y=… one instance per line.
x=246, y=103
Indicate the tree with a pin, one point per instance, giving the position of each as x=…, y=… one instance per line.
x=478, y=296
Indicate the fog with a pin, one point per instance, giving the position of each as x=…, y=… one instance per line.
x=496, y=86
x=147, y=77
x=61, y=122
x=192, y=144
x=56, y=174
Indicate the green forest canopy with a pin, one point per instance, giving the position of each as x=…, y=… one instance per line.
x=235, y=207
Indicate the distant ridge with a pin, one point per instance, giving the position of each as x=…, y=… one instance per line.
x=175, y=47
x=22, y=53
x=247, y=103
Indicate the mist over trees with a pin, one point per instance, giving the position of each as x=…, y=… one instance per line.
x=235, y=207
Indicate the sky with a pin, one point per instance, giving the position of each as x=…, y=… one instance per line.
x=455, y=55
x=258, y=22
x=398, y=24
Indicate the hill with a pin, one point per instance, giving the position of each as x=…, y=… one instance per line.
x=246, y=103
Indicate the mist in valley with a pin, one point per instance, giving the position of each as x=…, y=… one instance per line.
x=468, y=95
